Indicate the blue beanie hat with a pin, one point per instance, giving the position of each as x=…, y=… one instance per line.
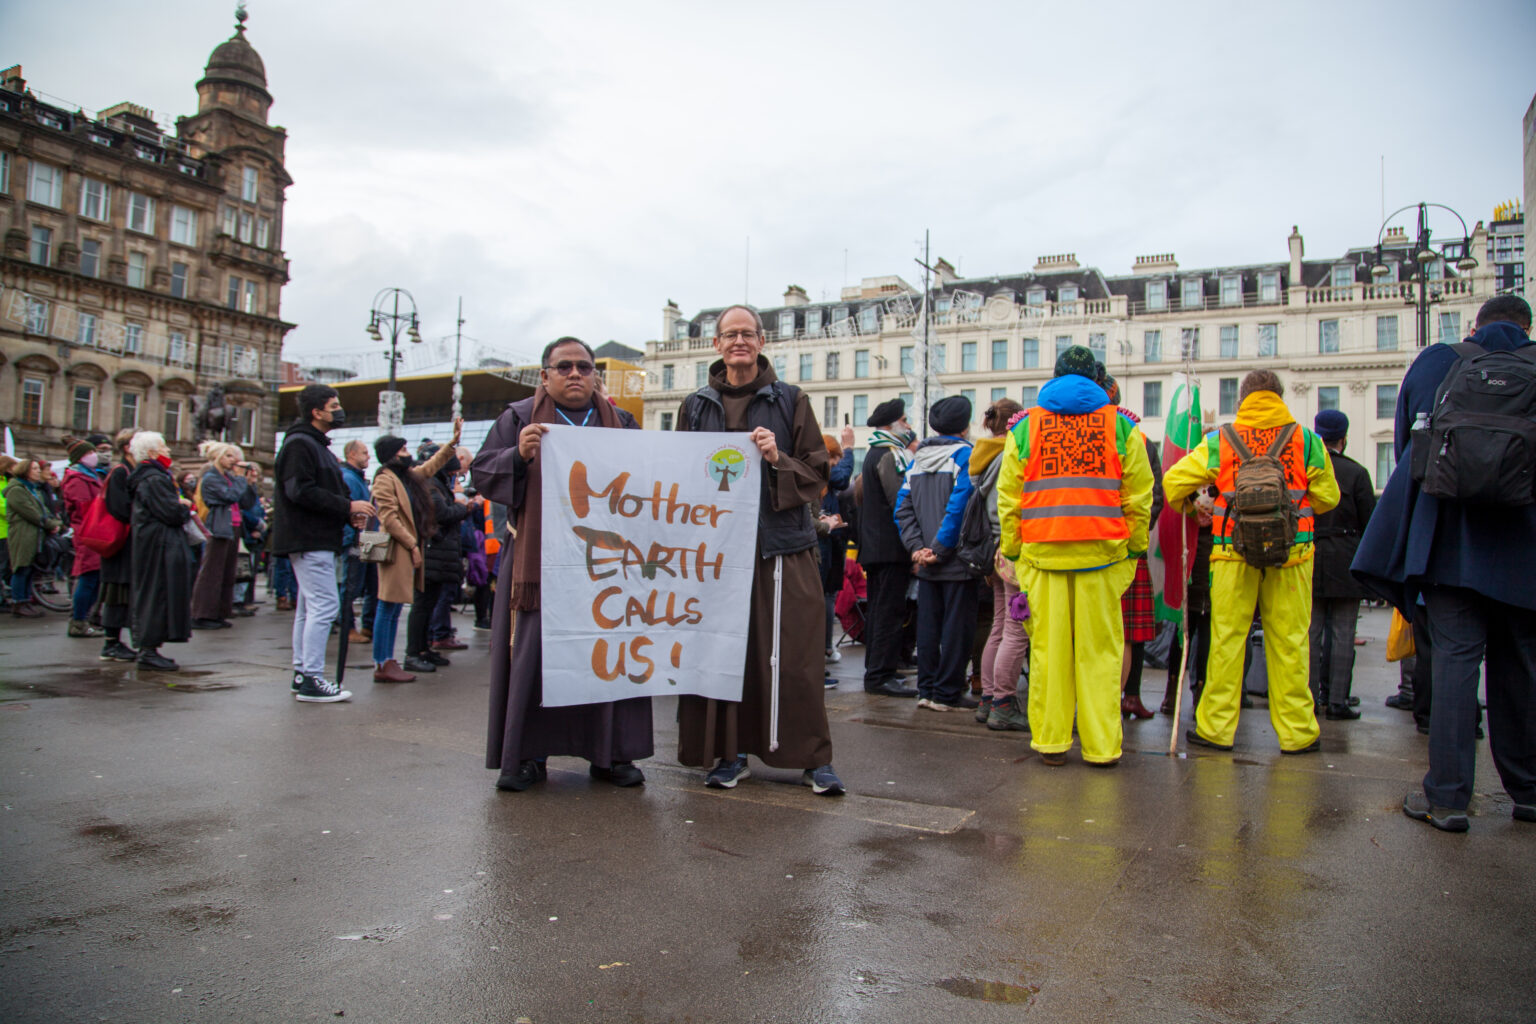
x=1331, y=424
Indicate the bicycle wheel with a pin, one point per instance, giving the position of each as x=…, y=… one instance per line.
x=51, y=590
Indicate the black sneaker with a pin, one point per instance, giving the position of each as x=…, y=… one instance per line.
x=726, y=774
x=415, y=664
x=524, y=775
x=434, y=658
x=320, y=690
x=1447, y=819
x=623, y=773
x=157, y=662
x=116, y=650
x=298, y=680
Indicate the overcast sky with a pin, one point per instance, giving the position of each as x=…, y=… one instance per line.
x=567, y=168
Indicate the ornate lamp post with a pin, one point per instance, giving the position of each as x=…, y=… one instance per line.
x=1422, y=256
x=387, y=314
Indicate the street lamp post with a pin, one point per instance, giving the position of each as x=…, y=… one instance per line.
x=387, y=314
x=1422, y=255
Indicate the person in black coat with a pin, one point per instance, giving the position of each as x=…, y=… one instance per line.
x=443, y=561
x=161, y=609
x=1336, y=594
x=886, y=562
x=117, y=569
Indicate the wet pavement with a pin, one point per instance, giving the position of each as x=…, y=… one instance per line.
x=201, y=847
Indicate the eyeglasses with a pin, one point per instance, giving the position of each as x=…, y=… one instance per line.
x=565, y=366
x=731, y=336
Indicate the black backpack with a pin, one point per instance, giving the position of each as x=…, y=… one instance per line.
x=1480, y=444
x=977, y=548
x=1263, y=516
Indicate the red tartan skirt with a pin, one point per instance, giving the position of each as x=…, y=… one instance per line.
x=1136, y=606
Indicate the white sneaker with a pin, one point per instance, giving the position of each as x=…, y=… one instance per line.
x=834, y=655
x=932, y=705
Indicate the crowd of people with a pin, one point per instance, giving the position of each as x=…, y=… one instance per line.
x=1007, y=576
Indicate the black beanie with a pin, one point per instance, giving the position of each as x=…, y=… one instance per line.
x=1079, y=360
x=886, y=413
x=387, y=447
x=950, y=415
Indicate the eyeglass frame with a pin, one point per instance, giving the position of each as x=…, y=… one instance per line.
x=573, y=364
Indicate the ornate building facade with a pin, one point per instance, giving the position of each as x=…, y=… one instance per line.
x=1339, y=336
x=141, y=271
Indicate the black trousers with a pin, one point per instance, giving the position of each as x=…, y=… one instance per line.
x=416, y=642
x=1423, y=668
x=1468, y=630
x=1332, y=636
x=946, y=627
x=885, y=608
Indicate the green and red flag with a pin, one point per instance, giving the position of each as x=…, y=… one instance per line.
x=1169, y=558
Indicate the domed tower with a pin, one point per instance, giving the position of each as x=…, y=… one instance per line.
x=235, y=78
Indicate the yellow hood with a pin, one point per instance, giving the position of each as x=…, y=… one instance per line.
x=1262, y=410
x=984, y=451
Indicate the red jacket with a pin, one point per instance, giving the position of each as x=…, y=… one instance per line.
x=80, y=488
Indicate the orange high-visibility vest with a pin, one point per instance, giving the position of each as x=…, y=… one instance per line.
x=492, y=542
x=1293, y=457
x=1072, y=478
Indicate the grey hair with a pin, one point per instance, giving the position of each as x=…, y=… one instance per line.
x=144, y=444
x=756, y=318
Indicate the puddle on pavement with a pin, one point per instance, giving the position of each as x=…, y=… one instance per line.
x=989, y=991
x=104, y=682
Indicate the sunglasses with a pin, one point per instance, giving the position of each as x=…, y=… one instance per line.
x=565, y=366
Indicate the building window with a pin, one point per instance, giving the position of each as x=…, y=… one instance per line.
x=1231, y=290
x=32, y=401
x=1229, y=341
x=780, y=367
x=829, y=411
x=1029, y=396
x=141, y=214
x=1193, y=296
x=701, y=375
x=1269, y=341
x=248, y=183
x=1034, y=297
x=1000, y=354
x=787, y=324
x=233, y=297
x=967, y=357
x=1063, y=342
x=1386, y=334
x=1098, y=344
x=707, y=328
x=812, y=323
x=5, y=172
x=179, y=280
x=1031, y=353
x=263, y=232
x=869, y=320
x=245, y=425
x=907, y=365
x=861, y=363
x=1343, y=275
x=1385, y=463
x=666, y=421
x=906, y=400
x=90, y=257
x=45, y=184
x=834, y=369
x=840, y=319
x=969, y=394
x=938, y=358
x=138, y=263
x=1152, y=398
x=1152, y=346
x=668, y=371
x=1386, y=401
x=37, y=316
x=1226, y=389
x=1269, y=286
x=1450, y=328
x=42, y=245
x=85, y=329
x=1327, y=397
x=247, y=228
x=183, y=226
x=807, y=366
x=1157, y=295
x=1327, y=336
x=95, y=199
x=129, y=411
x=860, y=410
x=999, y=393
x=250, y=297
x=1189, y=343
x=133, y=338
x=1066, y=294
x=176, y=350
x=227, y=221
x=80, y=415
x=173, y=419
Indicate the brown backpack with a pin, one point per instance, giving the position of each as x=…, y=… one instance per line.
x=1260, y=508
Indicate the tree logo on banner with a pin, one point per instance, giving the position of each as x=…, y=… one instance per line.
x=727, y=465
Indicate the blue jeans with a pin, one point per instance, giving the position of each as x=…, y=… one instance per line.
x=86, y=586
x=21, y=584
x=282, y=577
x=386, y=623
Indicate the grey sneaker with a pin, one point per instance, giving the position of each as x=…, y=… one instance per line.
x=983, y=709
x=823, y=781
x=1007, y=715
x=727, y=773
x=1447, y=819
x=320, y=690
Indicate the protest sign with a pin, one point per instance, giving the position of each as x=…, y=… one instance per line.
x=646, y=571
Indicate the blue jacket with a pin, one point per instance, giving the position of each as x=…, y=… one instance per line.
x=931, y=504
x=357, y=487
x=1414, y=541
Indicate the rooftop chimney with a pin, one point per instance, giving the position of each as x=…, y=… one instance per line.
x=794, y=295
x=1062, y=261
x=1297, y=249
x=1158, y=263
x=946, y=272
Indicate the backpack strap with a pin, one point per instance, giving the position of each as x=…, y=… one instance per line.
x=1281, y=440
x=1469, y=349
x=1230, y=433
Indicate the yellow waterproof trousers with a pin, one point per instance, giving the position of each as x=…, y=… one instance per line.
x=1284, y=598
x=1076, y=641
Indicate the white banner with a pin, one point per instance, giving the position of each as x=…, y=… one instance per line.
x=646, y=570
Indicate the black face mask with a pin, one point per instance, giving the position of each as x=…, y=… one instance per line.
x=404, y=461
x=338, y=418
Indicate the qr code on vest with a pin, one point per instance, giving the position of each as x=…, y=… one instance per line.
x=1258, y=440
x=1073, y=445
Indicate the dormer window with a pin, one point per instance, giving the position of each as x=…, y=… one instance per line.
x=1343, y=275
x=1269, y=286
x=787, y=324
x=1193, y=295
x=1066, y=293
x=1231, y=290
x=812, y=323
x=1157, y=295
x=869, y=320
x=1034, y=296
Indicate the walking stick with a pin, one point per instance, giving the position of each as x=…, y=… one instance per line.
x=773, y=661
x=1178, y=692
